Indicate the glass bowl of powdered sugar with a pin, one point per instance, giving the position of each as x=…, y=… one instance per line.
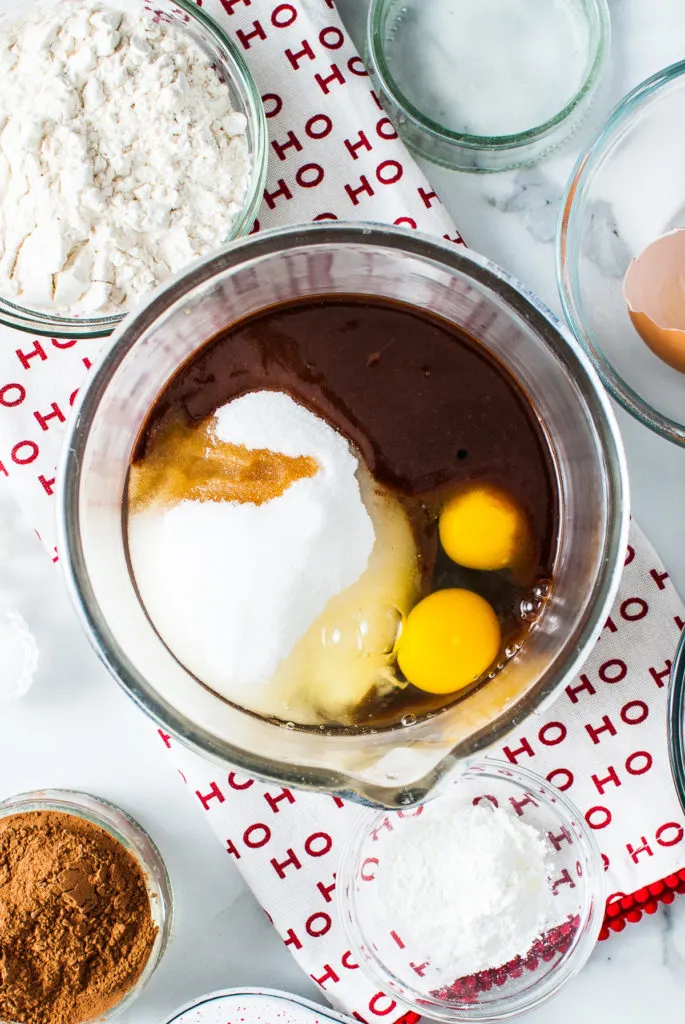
x=142, y=148
x=479, y=905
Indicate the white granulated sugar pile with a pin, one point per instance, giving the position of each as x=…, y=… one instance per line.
x=121, y=159
x=231, y=587
x=468, y=886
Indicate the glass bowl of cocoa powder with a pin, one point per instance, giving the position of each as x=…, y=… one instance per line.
x=85, y=908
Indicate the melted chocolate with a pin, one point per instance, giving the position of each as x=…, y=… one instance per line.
x=425, y=404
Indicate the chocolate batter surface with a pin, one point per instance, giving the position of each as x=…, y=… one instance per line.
x=424, y=403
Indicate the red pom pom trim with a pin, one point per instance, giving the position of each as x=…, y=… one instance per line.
x=629, y=909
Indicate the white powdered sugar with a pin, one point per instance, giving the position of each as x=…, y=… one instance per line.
x=469, y=888
x=231, y=587
x=121, y=158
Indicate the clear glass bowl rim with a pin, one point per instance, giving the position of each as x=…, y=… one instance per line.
x=266, y=244
x=572, y=208
x=46, y=324
x=676, y=721
x=375, y=51
x=289, y=998
x=97, y=810
x=488, y=768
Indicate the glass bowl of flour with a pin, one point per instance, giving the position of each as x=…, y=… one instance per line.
x=141, y=149
x=479, y=905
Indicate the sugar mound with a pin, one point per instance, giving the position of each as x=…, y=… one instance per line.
x=231, y=587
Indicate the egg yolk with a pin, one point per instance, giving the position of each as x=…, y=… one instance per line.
x=482, y=527
x=449, y=640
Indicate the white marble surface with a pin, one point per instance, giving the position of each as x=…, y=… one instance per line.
x=68, y=731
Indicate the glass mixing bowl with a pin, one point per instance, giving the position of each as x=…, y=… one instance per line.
x=576, y=881
x=462, y=95
x=190, y=19
x=627, y=190
x=395, y=765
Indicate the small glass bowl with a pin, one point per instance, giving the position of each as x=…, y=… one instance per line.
x=676, y=721
x=257, y=1004
x=626, y=191
x=190, y=19
x=121, y=827
x=577, y=880
x=446, y=74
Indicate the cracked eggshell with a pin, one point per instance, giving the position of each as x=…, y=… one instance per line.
x=654, y=291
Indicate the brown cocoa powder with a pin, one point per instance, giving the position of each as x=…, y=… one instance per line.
x=75, y=924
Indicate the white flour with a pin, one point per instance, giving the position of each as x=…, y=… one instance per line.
x=121, y=159
x=470, y=888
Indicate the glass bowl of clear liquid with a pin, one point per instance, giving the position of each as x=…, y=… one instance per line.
x=486, y=85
